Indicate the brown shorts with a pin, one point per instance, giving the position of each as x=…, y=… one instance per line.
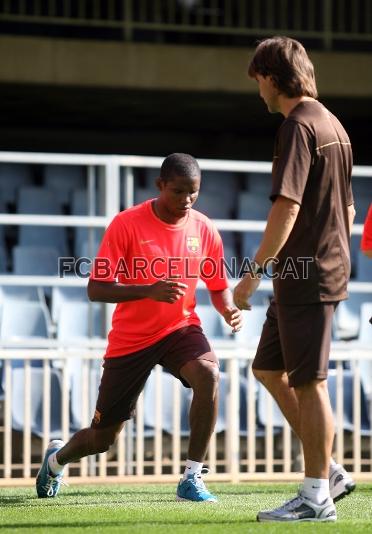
x=296, y=339
x=124, y=377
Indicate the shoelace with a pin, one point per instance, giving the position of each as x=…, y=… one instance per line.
x=52, y=483
x=292, y=503
x=199, y=482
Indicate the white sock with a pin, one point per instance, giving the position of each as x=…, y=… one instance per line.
x=316, y=489
x=54, y=466
x=192, y=468
x=333, y=465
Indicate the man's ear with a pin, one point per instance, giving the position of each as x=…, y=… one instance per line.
x=160, y=183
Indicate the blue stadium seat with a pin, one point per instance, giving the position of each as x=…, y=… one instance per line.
x=363, y=268
x=365, y=340
x=347, y=316
x=253, y=321
x=63, y=179
x=255, y=206
x=12, y=177
x=35, y=260
x=49, y=236
x=78, y=321
x=37, y=401
x=3, y=259
x=82, y=241
x=60, y=295
x=222, y=416
x=210, y=205
x=23, y=319
x=25, y=293
x=210, y=320
x=262, y=409
x=250, y=243
x=80, y=204
x=348, y=394
x=141, y=194
x=258, y=182
x=38, y=200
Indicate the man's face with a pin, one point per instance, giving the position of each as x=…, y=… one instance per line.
x=177, y=196
x=268, y=92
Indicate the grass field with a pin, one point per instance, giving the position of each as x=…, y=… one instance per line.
x=152, y=509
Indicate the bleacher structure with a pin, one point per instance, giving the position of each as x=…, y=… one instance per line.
x=52, y=338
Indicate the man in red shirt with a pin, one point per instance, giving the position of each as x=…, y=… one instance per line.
x=149, y=263
x=366, y=243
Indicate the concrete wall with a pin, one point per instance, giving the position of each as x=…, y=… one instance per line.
x=154, y=66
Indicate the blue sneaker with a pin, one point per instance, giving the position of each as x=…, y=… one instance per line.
x=48, y=484
x=193, y=489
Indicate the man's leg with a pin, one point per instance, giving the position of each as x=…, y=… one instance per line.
x=88, y=441
x=83, y=443
x=202, y=376
x=316, y=427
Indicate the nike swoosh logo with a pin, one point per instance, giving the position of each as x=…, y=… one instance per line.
x=142, y=242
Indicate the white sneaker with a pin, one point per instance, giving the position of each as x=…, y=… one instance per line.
x=340, y=483
x=300, y=508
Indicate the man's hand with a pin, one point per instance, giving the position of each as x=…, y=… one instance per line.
x=244, y=290
x=166, y=291
x=233, y=318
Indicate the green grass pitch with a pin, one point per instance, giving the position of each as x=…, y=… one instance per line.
x=148, y=509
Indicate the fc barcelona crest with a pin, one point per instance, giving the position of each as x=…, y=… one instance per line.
x=192, y=244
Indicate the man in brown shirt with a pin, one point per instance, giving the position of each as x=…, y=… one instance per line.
x=307, y=240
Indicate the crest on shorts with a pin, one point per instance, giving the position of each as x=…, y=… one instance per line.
x=192, y=243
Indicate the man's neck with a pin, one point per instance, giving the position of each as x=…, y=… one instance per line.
x=288, y=104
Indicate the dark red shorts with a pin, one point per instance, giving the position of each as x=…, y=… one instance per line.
x=296, y=339
x=124, y=377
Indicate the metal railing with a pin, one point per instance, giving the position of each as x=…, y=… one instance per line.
x=324, y=22
x=241, y=448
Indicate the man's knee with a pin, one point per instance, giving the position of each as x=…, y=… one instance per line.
x=311, y=387
x=201, y=373
x=268, y=378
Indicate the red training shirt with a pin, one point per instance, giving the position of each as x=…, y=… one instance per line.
x=139, y=248
x=366, y=243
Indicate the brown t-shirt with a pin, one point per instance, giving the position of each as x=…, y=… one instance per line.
x=312, y=166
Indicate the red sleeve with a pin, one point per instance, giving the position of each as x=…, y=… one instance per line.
x=113, y=246
x=366, y=243
x=213, y=271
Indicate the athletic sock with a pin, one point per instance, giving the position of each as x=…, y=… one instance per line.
x=333, y=466
x=192, y=468
x=316, y=489
x=54, y=466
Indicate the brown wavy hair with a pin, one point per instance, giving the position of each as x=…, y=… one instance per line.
x=287, y=62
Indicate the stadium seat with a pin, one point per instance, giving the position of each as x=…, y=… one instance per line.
x=3, y=259
x=35, y=260
x=38, y=200
x=224, y=184
x=12, y=177
x=141, y=194
x=258, y=182
x=78, y=321
x=82, y=241
x=347, y=316
x=210, y=205
x=253, y=206
x=80, y=204
x=25, y=293
x=210, y=320
x=49, y=236
x=224, y=391
x=348, y=394
x=363, y=268
x=250, y=243
x=37, y=401
x=365, y=340
x=23, y=321
x=252, y=326
x=167, y=404
x=63, y=179
x=60, y=295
